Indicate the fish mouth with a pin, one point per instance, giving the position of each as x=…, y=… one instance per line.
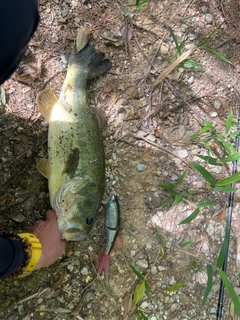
x=74, y=234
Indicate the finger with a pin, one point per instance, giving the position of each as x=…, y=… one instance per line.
x=51, y=215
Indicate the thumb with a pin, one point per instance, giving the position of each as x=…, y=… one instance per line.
x=51, y=215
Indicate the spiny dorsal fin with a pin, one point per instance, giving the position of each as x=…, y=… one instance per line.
x=46, y=101
x=43, y=167
x=71, y=163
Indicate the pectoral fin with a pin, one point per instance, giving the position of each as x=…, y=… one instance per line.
x=43, y=167
x=46, y=100
x=71, y=163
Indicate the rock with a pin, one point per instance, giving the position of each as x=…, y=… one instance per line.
x=142, y=263
x=181, y=131
x=174, y=177
x=175, y=306
x=172, y=281
x=153, y=270
x=214, y=114
x=217, y=104
x=164, y=50
x=191, y=80
x=183, y=153
x=141, y=167
x=144, y=305
x=204, y=9
x=90, y=295
x=208, y=18
x=19, y=218
x=151, y=137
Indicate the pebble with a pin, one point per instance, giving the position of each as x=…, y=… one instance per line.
x=19, y=218
x=90, y=295
x=217, y=104
x=141, y=167
x=181, y=131
x=175, y=306
x=183, y=153
x=204, y=9
x=192, y=36
x=144, y=305
x=164, y=50
x=208, y=18
x=191, y=80
x=172, y=281
x=174, y=177
x=142, y=263
x=214, y=114
x=153, y=270
x=151, y=137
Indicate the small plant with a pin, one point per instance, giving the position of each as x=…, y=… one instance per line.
x=140, y=4
x=140, y=291
x=211, y=140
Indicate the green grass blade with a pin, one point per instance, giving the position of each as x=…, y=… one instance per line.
x=166, y=201
x=177, y=199
x=181, y=47
x=147, y=289
x=234, y=134
x=176, y=286
x=209, y=285
x=166, y=186
x=206, y=204
x=218, y=54
x=138, y=274
x=159, y=239
x=134, y=311
x=191, y=217
x=207, y=126
x=231, y=291
x=233, y=178
x=229, y=120
x=222, y=252
x=224, y=144
x=186, y=244
x=224, y=189
x=231, y=158
x=209, y=160
x=142, y=315
x=175, y=40
x=207, y=175
x=194, y=136
x=180, y=180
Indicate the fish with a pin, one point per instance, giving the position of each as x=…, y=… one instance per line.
x=75, y=167
x=112, y=224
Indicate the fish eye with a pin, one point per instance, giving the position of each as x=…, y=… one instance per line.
x=89, y=220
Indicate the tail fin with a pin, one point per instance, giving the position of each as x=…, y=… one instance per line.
x=86, y=57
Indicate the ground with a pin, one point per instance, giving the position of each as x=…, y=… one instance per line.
x=165, y=115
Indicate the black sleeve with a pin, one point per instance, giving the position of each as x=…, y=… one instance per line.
x=18, y=22
x=11, y=256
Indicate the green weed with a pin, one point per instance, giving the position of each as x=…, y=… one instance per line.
x=225, y=153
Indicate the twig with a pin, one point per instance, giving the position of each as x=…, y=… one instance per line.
x=162, y=148
x=179, y=96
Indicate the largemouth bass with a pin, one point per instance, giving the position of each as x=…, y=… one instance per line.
x=75, y=167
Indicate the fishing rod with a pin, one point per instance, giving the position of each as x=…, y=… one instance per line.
x=228, y=226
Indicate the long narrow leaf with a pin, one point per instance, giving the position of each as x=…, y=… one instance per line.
x=177, y=199
x=206, y=204
x=234, y=134
x=175, y=41
x=139, y=293
x=186, y=244
x=224, y=189
x=180, y=180
x=222, y=252
x=207, y=175
x=166, y=200
x=207, y=126
x=226, y=145
x=191, y=217
x=209, y=285
x=218, y=54
x=231, y=291
x=138, y=274
x=229, y=120
x=233, y=178
x=231, y=158
x=209, y=160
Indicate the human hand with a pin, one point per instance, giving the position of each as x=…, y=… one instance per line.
x=50, y=238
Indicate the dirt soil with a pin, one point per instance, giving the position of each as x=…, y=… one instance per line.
x=162, y=117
